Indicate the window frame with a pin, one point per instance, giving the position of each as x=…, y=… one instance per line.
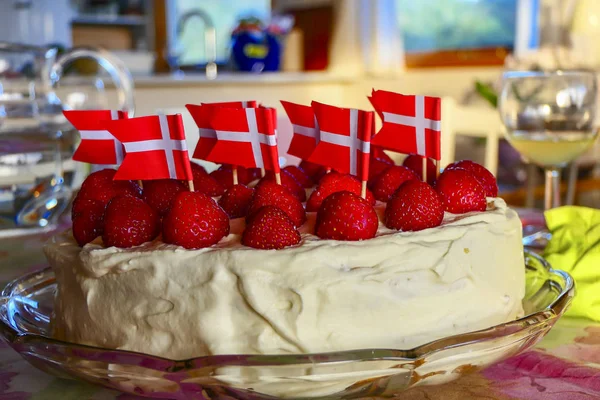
x=526, y=38
x=457, y=58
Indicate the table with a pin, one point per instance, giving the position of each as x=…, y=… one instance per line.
x=565, y=365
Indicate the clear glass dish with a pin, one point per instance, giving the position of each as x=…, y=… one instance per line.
x=26, y=307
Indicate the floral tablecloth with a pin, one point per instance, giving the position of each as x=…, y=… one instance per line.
x=565, y=365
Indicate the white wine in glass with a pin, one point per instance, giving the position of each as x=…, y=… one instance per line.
x=549, y=118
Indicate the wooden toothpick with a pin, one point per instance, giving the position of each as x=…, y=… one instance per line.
x=278, y=178
x=234, y=172
x=363, y=189
x=424, y=172
x=191, y=185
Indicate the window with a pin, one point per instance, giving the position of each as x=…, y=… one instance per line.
x=458, y=32
x=223, y=14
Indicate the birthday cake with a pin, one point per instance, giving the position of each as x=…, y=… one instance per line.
x=300, y=260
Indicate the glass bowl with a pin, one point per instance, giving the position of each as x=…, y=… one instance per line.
x=26, y=308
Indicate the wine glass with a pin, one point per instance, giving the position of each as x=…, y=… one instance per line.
x=549, y=119
x=37, y=175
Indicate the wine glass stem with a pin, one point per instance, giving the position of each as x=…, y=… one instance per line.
x=552, y=192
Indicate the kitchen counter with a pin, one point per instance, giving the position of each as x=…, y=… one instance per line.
x=237, y=78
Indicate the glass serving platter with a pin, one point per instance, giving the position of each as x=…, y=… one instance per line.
x=26, y=308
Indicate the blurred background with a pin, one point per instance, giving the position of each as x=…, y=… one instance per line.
x=333, y=51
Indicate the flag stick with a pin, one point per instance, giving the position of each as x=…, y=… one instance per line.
x=363, y=189
x=424, y=172
x=278, y=178
x=191, y=185
x=437, y=168
x=141, y=184
x=234, y=172
x=262, y=172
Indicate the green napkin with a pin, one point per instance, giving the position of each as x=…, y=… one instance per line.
x=575, y=248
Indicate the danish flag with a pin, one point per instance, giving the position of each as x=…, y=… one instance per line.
x=411, y=124
x=98, y=146
x=201, y=115
x=155, y=148
x=345, y=136
x=305, y=127
x=245, y=137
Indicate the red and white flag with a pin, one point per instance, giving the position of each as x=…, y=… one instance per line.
x=201, y=115
x=411, y=124
x=245, y=137
x=305, y=127
x=345, y=139
x=155, y=148
x=98, y=146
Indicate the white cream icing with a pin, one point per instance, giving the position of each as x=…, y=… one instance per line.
x=397, y=290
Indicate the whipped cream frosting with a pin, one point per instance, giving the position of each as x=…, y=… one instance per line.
x=398, y=290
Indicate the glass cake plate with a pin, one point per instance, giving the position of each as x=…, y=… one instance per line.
x=26, y=306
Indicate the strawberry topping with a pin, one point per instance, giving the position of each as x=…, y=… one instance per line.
x=376, y=167
x=270, y=228
x=413, y=207
x=236, y=200
x=300, y=176
x=269, y=193
x=390, y=180
x=224, y=175
x=483, y=176
x=314, y=171
x=460, y=191
x=334, y=182
x=195, y=221
x=159, y=194
x=414, y=162
x=129, y=222
x=346, y=216
x=288, y=182
x=88, y=220
x=204, y=183
x=101, y=186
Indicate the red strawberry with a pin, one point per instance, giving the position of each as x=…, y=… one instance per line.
x=335, y=182
x=204, y=183
x=314, y=171
x=415, y=163
x=81, y=203
x=101, y=186
x=224, y=175
x=390, y=180
x=413, y=207
x=271, y=194
x=236, y=201
x=159, y=194
x=198, y=169
x=483, y=176
x=195, y=221
x=129, y=222
x=254, y=174
x=460, y=191
x=301, y=176
x=376, y=167
x=288, y=182
x=346, y=216
x=88, y=220
x=270, y=228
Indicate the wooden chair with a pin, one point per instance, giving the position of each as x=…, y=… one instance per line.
x=473, y=121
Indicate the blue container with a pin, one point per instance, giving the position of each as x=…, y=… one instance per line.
x=256, y=51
